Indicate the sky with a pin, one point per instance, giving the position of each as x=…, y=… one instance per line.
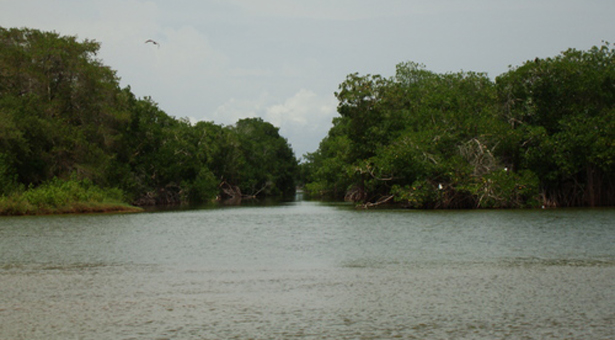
x=282, y=60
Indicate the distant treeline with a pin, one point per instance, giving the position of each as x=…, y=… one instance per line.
x=542, y=134
x=63, y=116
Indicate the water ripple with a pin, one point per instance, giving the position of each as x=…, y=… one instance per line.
x=308, y=271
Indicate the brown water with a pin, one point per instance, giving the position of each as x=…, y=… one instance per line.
x=307, y=270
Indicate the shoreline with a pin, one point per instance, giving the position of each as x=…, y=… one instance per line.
x=77, y=208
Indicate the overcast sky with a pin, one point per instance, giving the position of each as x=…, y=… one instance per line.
x=282, y=60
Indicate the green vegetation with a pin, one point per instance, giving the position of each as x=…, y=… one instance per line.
x=61, y=197
x=69, y=133
x=541, y=134
x=72, y=140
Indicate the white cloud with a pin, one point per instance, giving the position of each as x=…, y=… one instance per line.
x=305, y=108
x=234, y=109
x=304, y=119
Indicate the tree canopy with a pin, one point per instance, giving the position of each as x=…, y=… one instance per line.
x=64, y=115
x=540, y=134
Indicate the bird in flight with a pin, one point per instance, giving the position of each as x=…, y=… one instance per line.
x=153, y=42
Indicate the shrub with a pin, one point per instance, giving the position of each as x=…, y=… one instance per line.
x=60, y=196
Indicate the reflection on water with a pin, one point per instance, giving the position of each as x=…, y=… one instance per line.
x=308, y=270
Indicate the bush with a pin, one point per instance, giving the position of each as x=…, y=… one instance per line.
x=204, y=188
x=8, y=177
x=59, y=196
x=507, y=189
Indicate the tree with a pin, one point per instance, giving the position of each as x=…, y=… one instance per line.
x=561, y=110
x=327, y=169
x=61, y=103
x=270, y=164
x=63, y=115
x=421, y=138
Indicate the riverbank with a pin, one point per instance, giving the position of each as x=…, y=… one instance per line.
x=65, y=197
x=75, y=208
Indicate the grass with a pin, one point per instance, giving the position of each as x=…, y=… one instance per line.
x=65, y=197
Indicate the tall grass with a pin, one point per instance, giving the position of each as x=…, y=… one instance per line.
x=62, y=197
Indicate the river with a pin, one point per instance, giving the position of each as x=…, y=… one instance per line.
x=309, y=270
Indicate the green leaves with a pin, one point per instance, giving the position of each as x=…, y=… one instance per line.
x=460, y=140
x=270, y=165
x=563, y=108
x=405, y=134
x=63, y=196
x=62, y=113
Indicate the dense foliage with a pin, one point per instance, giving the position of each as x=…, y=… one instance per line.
x=541, y=134
x=63, y=115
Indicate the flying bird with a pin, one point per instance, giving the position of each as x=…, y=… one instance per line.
x=153, y=42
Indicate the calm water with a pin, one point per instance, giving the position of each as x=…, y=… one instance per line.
x=308, y=270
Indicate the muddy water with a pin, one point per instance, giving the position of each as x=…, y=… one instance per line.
x=307, y=270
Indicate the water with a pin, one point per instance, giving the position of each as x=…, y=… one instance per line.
x=308, y=270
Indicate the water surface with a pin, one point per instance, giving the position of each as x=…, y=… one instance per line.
x=309, y=270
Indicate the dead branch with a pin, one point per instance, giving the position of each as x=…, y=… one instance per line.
x=252, y=196
x=368, y=170
x=356, y=194
x=381, y=201
x=479, y=156
x=230, y=191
